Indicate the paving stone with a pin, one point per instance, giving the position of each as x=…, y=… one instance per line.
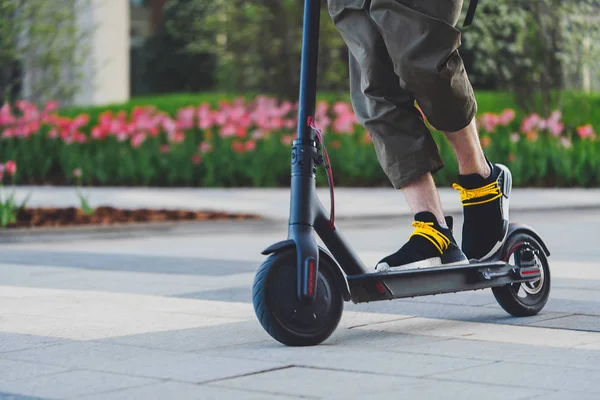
x=124, y=262
x=144, y=362
x=488, y=332
x=443, y=390
x=12, y=396
x=564, y=395
x=319, y=383
x=16, y=341
x=194, y=339
x=358, y=359
x=12, y=370
x=184, y=391
x=526, y=375
x=71, y=384
x=513, y=352
x=572, y=322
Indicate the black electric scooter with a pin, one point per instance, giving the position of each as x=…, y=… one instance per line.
x=300, y=290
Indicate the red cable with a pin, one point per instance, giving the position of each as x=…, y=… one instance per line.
x=328, y=168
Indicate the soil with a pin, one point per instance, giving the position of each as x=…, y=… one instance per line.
x=60, y=217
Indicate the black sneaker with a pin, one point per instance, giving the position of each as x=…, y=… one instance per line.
x=485, y=209
x=428, y=246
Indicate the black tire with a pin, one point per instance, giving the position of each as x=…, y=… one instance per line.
x=279, y=311
x=536, y=293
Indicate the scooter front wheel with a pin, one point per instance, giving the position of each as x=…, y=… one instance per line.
x=279, y=311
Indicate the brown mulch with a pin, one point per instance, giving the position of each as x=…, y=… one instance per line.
x=71, y=216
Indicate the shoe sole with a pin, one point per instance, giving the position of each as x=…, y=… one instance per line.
x=422, y=264
x=504, y=201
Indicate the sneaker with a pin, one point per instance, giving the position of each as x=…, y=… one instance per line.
x=428, y=246
x=485, y=209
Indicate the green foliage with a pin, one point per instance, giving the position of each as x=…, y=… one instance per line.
x=168, y=62
x=534, y=47
x=258, y=44
x=43, y=37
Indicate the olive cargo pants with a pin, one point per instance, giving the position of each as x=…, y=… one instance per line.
x=402, y=51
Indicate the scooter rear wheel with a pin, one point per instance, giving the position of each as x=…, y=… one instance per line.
x=280, y=312
x=527, y=298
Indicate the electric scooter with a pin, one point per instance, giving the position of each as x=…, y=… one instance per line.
x=300, y=290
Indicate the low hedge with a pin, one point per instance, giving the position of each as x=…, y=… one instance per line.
x=245, y=141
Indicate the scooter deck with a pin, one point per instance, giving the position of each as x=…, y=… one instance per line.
x=431, y=281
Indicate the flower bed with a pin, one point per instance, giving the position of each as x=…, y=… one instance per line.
x=247, y=143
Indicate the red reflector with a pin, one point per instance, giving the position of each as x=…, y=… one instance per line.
x=531, y=272
x=380, y=287
x=311, y=277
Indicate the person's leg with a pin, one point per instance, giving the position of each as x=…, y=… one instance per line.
x=423, y=43
x=469, y=154
x=403, y=143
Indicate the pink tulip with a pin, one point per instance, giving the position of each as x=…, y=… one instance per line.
x=566, y=143
x=205, y=147
x=177, y=137
x=165, y=148
x=506, y=117
x=77, y=173
x=51, y=106
x=586, y=131
x=238, y=146
x=489, y=121
x=515, y=137
x=196, y=159
x=250, y=145
x=258, y=134
x=342, y=108
x=287, y=140
x=11, y=167
x=321, y=109
x=137, y=140
x=6, y=116
x=530, y=123
x=98, y=133
x=289, y=124
x=228, y=130
x=185, y=118
x=556, y=116
x=1, y=172
x=556, y=128
x=169, y=125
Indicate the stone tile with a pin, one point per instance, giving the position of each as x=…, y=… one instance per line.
x=319, y=383
x=512, y=352
x=488, y=332
x=106, y=261
x=443, y=390
x=12, y=370
x=564, y=395
x=194, y=339
x=143, y=362
x=183, y=391
x=12, y=396
x=16, y=341
x=538, y=376
x=72, y=384
x=358, y=359
x=572, y=322
x=117, y=281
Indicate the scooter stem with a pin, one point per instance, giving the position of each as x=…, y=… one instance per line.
x=304, y=161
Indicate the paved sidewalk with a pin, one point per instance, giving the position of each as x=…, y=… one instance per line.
x=274, y=203
x=170, y=316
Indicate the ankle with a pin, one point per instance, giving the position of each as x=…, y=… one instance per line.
x=481, y=168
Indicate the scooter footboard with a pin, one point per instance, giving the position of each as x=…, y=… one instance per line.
x=432, y=281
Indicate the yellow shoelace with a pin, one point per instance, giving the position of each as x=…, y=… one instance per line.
x=426, y=229
x=468, y=194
